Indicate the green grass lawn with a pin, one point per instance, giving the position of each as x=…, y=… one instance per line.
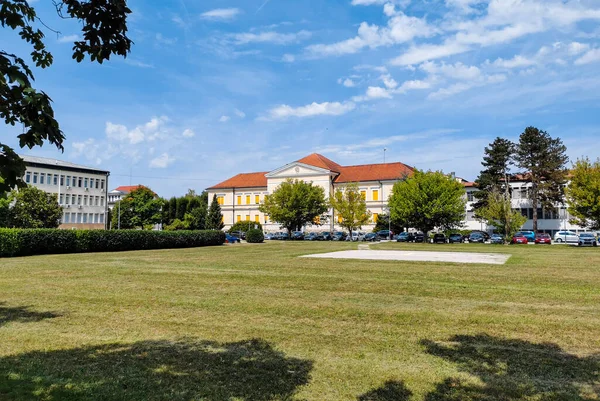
x=255, y=322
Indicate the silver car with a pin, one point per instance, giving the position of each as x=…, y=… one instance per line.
x=587, y=239
x=566, y=236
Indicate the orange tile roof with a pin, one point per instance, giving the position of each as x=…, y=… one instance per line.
x=373, y=172
x=244, y=180
x=128, y=188
x=468, y=184
x=321, y=161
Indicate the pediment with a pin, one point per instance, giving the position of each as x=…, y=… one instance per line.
x=297, y=169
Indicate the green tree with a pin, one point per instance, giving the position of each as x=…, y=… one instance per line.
x=498, y=213
x=494, y=177
x=294, y=204
x=543, y=160
x=583, y=194
x=383, y=223
x=104, y=28
x=172, y=209
x=34, y=208
x=350, y=205
x=4, y=210
x=196, y=219
x=139, y=209
x=245, y=226
x=182, y=207
x=214, y=219
x=428, y=200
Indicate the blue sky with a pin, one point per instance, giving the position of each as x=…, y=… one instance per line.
x=215, y=88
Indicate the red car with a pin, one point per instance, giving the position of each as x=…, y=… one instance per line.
x=543, y=239
x=519, y=239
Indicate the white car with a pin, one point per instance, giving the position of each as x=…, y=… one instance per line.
x=566, y=236
x=356, y=236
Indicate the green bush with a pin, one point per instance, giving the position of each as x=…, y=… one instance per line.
x=254, y=236
x=17, y=242
x=245, y=226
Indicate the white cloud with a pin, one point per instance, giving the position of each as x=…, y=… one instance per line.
x=165, y=41
x=146, y=132
x=68, y=38
x=270, y=37
x=402, y=3
x=162, y=161
x=517, y=61
x=224, y=119
x=400, y=28
x=188, y=133
x=239, y=113
x=288, y=58
x=413, y=85
x=456, y=71
x=388, y=81
x=592, y=56
x=221, y=14
x=348, y=83
x=313, y=109
x=137, y=63
x=419, y=54
x=377, y=92
x=577, y=48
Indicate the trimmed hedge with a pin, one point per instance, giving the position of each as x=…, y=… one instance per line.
x=18, y=242
x=255, y=236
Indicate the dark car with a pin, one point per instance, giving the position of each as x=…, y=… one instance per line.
x=455, y=239
x=476, y=238
x=518, y=238
x=239, y=234
x=231, y=239
x=297, y=235
x=530, y=235
x=587, y=239
x=385, y=234
x=496, y=239
x=486, y=236
x=405, y=237
x=311, y=237
x=419, y=237
x=325, y=236
x=284, y=236
x=338, y=236
x=439, y=239
x=371, y=237
x=543, y=239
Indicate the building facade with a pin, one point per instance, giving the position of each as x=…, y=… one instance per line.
x=119, y=194
x=80, y=190
x=241, y=195
x=549, y=220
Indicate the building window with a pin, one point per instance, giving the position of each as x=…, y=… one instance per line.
x=28, y=177
x=257, y=199
x=78, y=217
x=239, y=218
x=68, y=180
x=247, y=199
x=85, y=217
x=102, y=201
x=375, y=217
x=220, y=200
x=67, y=218
x=470, y=197
x=363, y=194
x=35, y=178
x=239, y=200
x=257, y=218
x=101, y=219
x=55, y=179
x=85, y=198
x=97, y=200
x=102, y=184
x=85, y=183
x=470, y=215
x=62, y=180
x=247, y=217
x=79, y=182
x=97, y=183
x=60, y=199
x=42, y=177
x=375, y=194
x=266, y=219
x=92, y=183
x=340, y=219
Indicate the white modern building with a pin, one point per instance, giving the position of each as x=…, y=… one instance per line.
x=241, y=195
x=119, y=194
x=80, y=190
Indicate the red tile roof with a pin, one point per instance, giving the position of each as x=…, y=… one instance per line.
x=373, y=172
x=244, y=180
x=321, y=161
x=128, y=188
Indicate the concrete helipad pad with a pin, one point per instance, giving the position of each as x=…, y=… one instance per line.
x=417, y=256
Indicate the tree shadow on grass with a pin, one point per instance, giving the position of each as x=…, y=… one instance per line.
x=512, y=370
x=22, y=314
x=390, y=391
x=155, y=370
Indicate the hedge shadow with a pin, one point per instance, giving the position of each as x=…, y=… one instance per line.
x=22, y=314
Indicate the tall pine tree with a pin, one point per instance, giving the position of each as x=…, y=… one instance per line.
x=543, y=160
x=214, y=219
x=496, y=166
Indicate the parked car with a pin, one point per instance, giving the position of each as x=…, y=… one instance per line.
x=496, y=239
x=419, y=237
x=439, y=239
x=325, y=236
x=455, y=238
x=269, y=236
x=356, y=236
x=239, y=234
x=371, y=237
x=405, y=237
x=231, y=239
x=587, y=239
x=476, y=238
x=385, y=234
x=311, y=237
x=519, y=239
x=543, y=238
x=485, y=235
x=297, y=235
x=338, y=236
x=566, y=236
x=530, y=235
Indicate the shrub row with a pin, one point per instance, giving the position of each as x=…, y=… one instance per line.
x=18, y=242
x=254, y=236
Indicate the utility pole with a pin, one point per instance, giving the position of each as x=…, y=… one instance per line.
x=384, y=150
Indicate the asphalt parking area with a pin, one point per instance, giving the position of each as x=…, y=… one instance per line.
x=417, y=256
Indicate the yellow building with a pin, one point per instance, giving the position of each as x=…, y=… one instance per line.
x=241, y=195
